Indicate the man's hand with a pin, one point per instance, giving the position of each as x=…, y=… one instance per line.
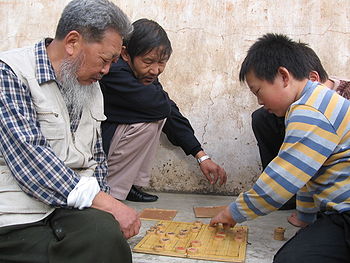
x=127, y=217
x=223, y=217
x=211, y=170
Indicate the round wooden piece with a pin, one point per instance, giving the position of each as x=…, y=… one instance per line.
x=221, y=233
x=219, y=237
x=185, y=231
x=164, y=240
x=160, y=226
x=192, y=250
x=181, y=235
x=279, y=233
x=196, y=243
x=198, y=223
x=151, y=231
x=239, y=238
x=180, y=249
x=160, y=233
x=158, y=248
x=170, y=234
x=195, y=229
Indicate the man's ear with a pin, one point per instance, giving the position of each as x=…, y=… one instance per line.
x=285, y=75
x=313, y=76
x=125, y=55
x=72, y=43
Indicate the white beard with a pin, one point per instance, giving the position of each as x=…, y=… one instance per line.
x=75, y=95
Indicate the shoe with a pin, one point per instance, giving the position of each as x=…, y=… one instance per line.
x=136, y=195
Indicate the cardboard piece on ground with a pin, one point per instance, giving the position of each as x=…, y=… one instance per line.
x=207, y=211
x=157, y=214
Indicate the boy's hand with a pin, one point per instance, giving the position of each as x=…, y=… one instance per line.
x=223, y=217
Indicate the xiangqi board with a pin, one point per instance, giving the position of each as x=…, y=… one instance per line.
x=195, y=240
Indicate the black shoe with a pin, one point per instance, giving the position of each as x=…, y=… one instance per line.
x=136, y=195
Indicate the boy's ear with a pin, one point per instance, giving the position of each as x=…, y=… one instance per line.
x=285, y=75
x=125, y=55
x=313, y=76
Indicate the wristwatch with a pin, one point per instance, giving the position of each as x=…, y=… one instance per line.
x=203, y=158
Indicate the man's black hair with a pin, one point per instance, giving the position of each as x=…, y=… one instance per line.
x=146, y=36
x=272, y=51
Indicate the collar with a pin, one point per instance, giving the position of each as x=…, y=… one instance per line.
x=44, y=69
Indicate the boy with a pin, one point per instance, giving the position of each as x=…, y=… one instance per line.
x=313, y=159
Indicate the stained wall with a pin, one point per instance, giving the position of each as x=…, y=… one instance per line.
x=210, y=40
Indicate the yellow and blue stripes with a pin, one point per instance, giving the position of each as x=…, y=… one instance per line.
x=313, y=162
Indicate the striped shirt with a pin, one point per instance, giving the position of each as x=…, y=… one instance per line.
x=27, y=153
x=313, y=162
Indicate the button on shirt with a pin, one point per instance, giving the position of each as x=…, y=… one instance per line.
x=25, y=150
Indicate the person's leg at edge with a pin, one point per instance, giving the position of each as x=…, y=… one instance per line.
x=88, y=235
x=130, y=159
x=269, y=132
x=79, y=236
x=325, y=241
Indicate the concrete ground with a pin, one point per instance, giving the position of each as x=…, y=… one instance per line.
x=261, y=245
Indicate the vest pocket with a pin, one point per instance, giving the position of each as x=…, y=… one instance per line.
x=51, y=125
x=53, y=129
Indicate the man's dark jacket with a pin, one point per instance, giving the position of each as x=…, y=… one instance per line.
x=127, y=101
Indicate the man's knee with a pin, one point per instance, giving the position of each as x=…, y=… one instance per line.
x=95, y=231
x=108, y=238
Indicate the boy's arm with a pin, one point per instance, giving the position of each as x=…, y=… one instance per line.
x=310, y=139
x=306, y=209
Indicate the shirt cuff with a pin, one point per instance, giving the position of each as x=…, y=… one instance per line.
x=306, y=217
x=83, y=193
x=236, y=214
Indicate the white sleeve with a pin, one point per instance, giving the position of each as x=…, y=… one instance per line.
x=83, y=193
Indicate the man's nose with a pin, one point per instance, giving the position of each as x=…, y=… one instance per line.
x=155, y=69
x=105, y=69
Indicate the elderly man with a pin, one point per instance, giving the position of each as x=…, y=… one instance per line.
x=54, y=201
x=138, y=110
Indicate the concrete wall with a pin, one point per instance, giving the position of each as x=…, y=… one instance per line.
x=210, y=39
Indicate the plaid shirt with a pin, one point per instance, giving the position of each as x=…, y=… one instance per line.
x=27, y=153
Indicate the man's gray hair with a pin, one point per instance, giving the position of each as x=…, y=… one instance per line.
x=91, y=18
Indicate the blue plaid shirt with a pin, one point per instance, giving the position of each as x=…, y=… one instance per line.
x=27, y=153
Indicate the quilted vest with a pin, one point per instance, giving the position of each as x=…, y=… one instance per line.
x=16, y=207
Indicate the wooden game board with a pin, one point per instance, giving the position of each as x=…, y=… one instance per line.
x=195, y=240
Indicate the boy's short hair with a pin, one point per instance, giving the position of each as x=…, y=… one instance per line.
x=272, y=51
x=314, y=62
x=146, y=36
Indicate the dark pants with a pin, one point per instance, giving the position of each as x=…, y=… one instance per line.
x=79, y=236
x=269, y=131
x=325, y=241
